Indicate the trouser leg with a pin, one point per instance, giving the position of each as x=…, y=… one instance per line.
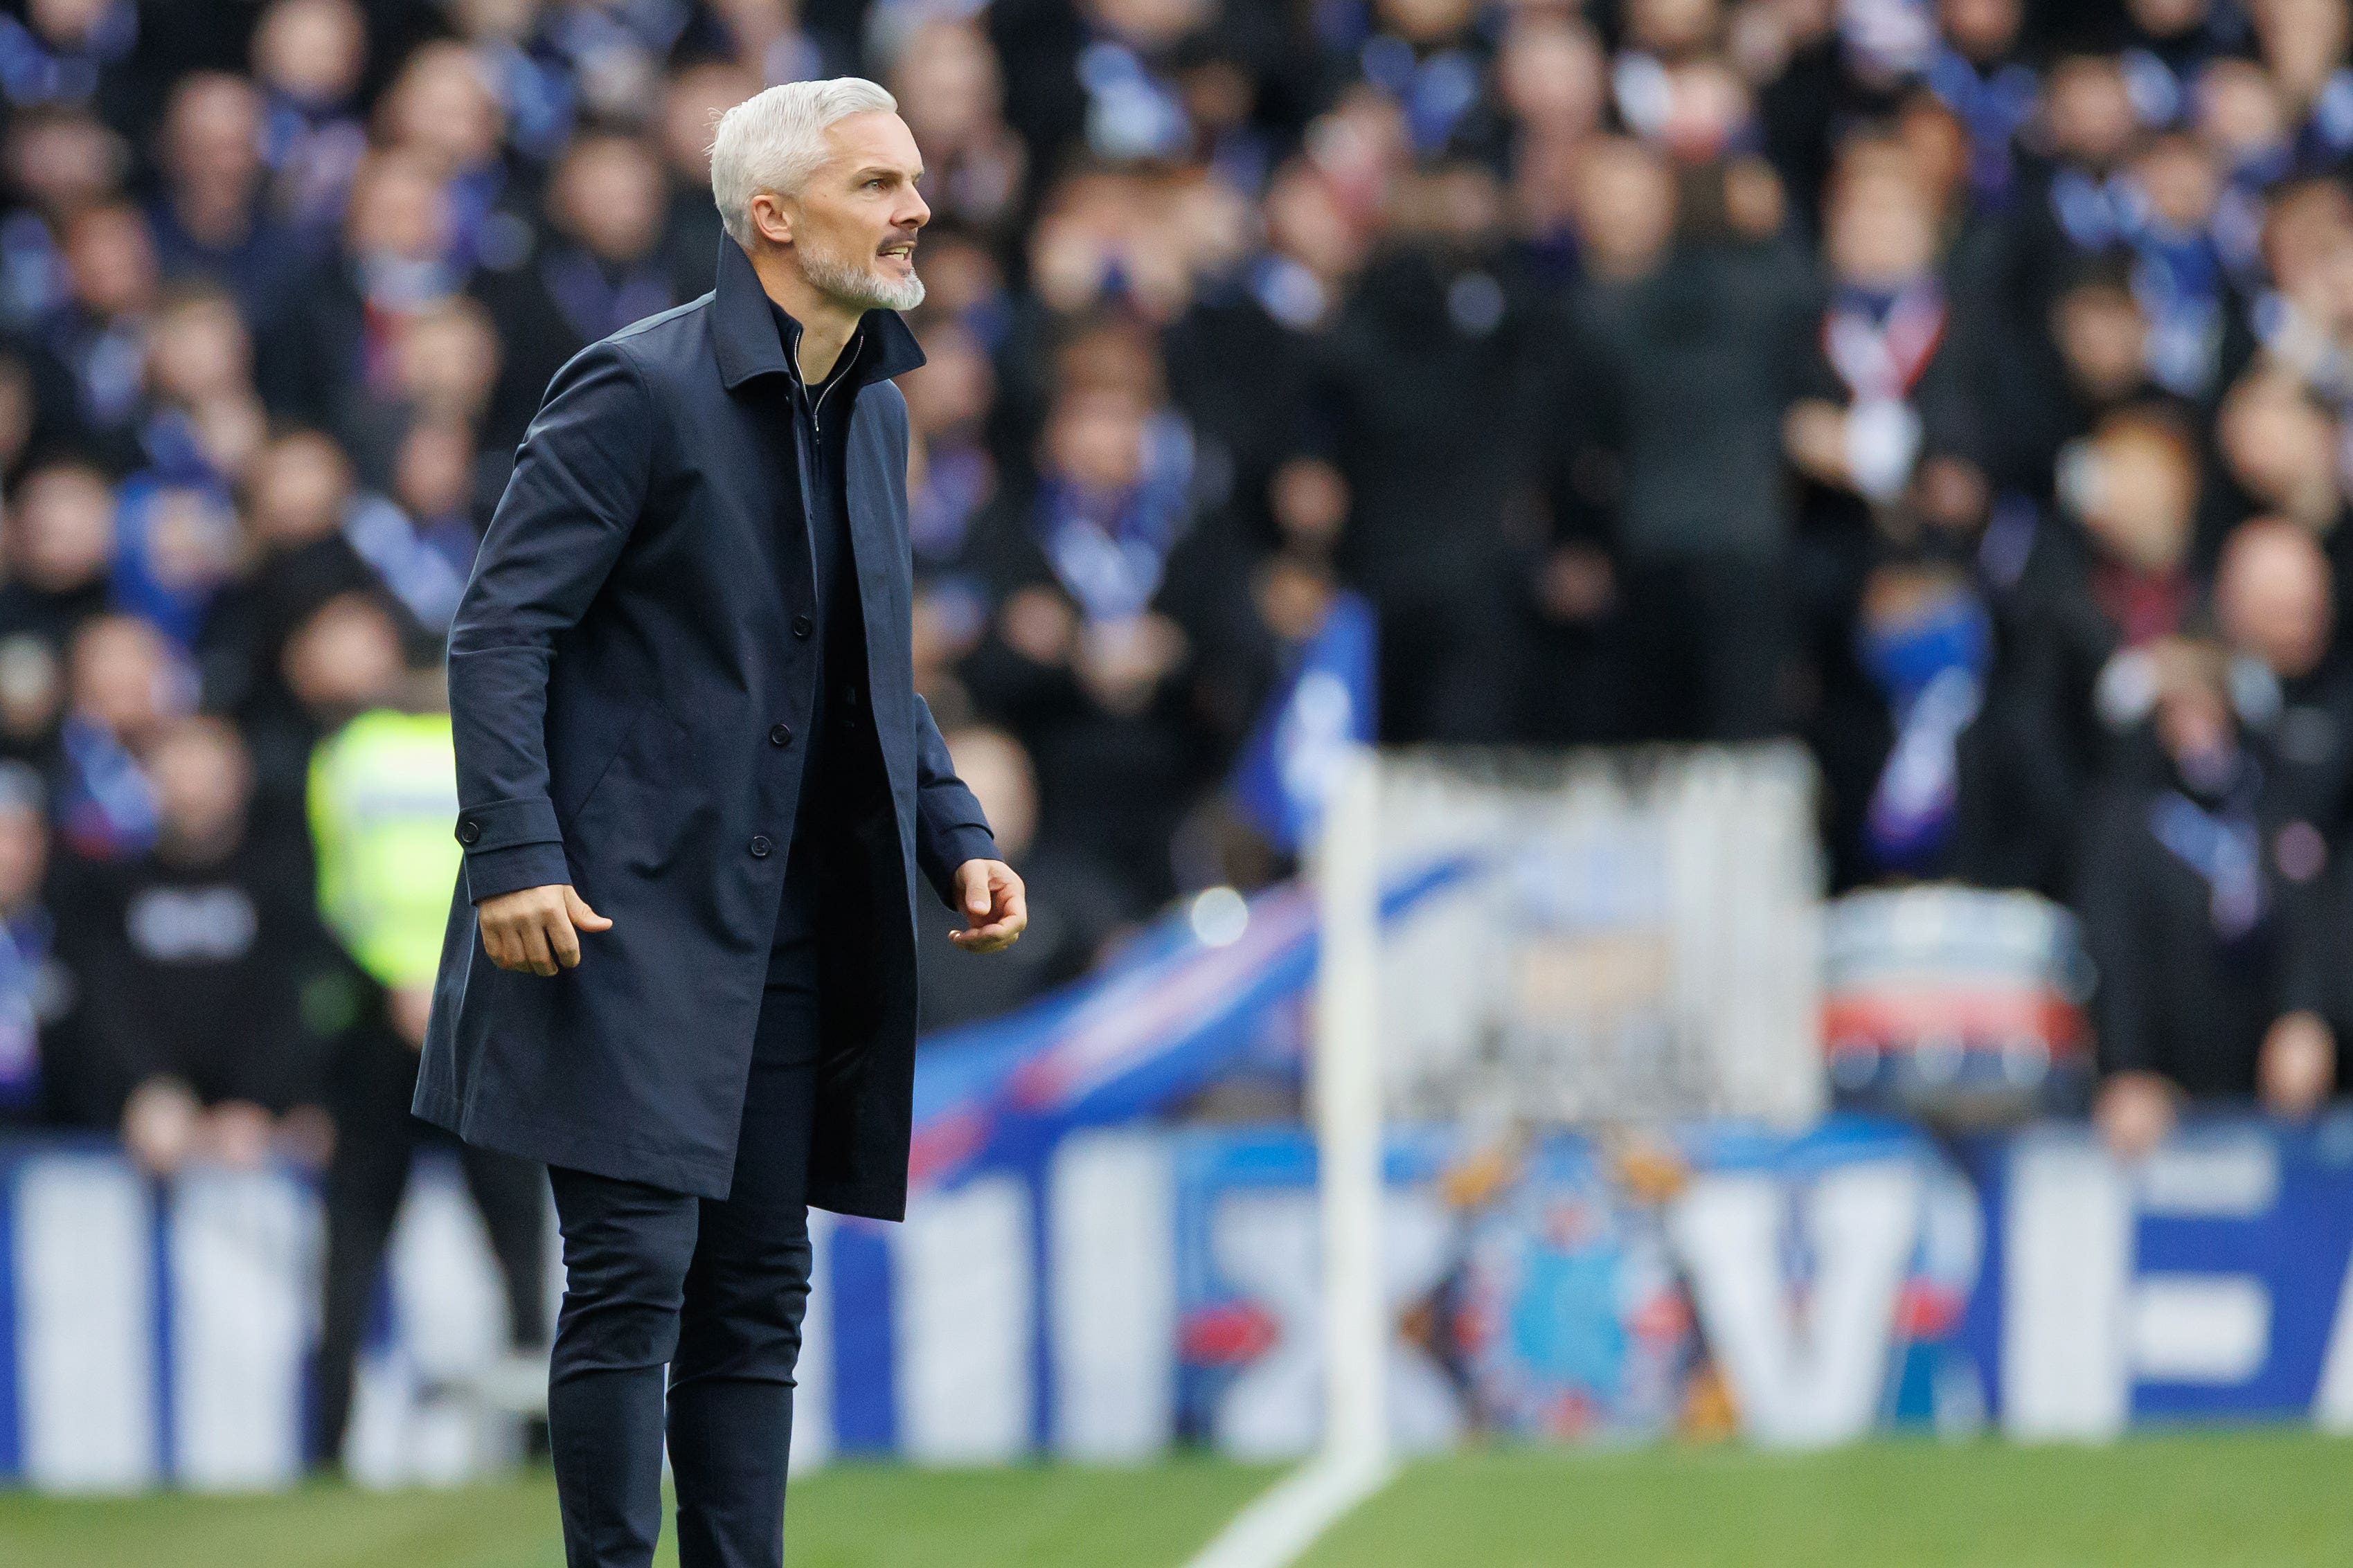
x=374, y=1075
x=627, y=1249
x=730, y=1395
x=512, y=1199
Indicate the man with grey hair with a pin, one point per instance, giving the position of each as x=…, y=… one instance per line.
x=696, y=785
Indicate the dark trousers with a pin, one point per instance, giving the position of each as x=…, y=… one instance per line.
x=1710, y=649
x=715, y=1289
x=374, y=1079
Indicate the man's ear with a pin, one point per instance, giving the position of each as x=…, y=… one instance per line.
x=770, y=220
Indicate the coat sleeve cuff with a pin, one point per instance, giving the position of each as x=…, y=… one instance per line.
x=953, y=848
x=490, y=872
x=498, y=824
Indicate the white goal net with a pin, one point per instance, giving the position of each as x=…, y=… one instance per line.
x=1604, y=937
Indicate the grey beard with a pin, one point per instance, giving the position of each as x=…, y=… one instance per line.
x=854, y=285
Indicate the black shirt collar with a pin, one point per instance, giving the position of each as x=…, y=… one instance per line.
x=749, y=343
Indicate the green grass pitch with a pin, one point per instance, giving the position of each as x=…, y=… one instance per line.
x=2238, y=1499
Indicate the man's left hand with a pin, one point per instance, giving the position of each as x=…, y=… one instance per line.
x=995, y=907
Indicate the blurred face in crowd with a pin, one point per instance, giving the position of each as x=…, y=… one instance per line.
x=1305, y=222
x=2179, y=182
x=2137, y=489
x=609, y=196
x=2239, y=111
x=312, y=50
x=345, y=659
x=110, y=260
x=2281, y=445
x=1625, y=208
x=2273, y=596
x=1113, y=354
x=301, y=485
x=121, y=676
x=191, y=539
x=67, y=22
x=2088, y=112
x=851, y=226
x=955, y=386
x=1672, y=28
x=1981, y=29
x=64, y=535
x=1879, y=233
x=441, y=108
x=1309, y=499
x=997, y=769
x=2167, y=18
x=1551, y=74
x=433, y=476
x=1936, y=144
x=948, y=86
x=508, y=21
x=23, y=854
x=692, y=103
x=2307, y=236
x=2303, y=41
x=1153, y=26
x=1094, y=438
x=199, y=349
x=1218, y=93
x=399, y=211
x=30, y=686
x=212, y=134
x=2103, y=338
x=202, y=778
x=63, y=160
x=447, y=360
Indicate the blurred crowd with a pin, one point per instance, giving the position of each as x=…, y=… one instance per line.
x=1957, y=387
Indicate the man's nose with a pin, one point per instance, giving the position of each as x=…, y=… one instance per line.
x=916, y=214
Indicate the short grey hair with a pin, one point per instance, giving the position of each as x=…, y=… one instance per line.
x=774, y=141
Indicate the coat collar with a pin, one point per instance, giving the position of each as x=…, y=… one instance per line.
x=746, y=334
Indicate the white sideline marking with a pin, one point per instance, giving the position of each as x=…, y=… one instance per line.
x=1279, y=1525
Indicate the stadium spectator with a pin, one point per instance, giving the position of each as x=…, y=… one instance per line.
x=2273, y=599
x=61, y=544
x=2217, y=927
x=97, y=335
x=381, y=795
x=33, y=990
x=213, y=220
x=186, y=959
x=1086, y=909
x=1084, y=659
x=125, y=686
x=1667, y=452
x=308, y=55
x=602, y=269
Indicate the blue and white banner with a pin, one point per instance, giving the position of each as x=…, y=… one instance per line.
x=1140, y=1287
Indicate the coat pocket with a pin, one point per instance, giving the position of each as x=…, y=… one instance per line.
x=654, y=748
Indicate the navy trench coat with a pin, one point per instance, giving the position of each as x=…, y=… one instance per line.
x=627, y=669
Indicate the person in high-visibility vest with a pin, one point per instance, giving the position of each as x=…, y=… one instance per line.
x=382, y=791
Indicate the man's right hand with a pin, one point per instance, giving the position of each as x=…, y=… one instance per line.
x=537, y=929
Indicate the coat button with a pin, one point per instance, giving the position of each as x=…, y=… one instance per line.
x=802, y=625
x=780, y=734
x=469, y=830
x=760, y=847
